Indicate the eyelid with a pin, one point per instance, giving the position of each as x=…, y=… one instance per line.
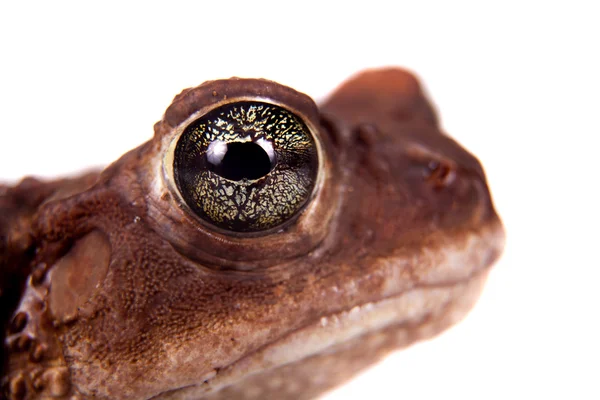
x=168, y=215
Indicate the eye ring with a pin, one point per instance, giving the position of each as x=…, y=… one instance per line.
x=250, y=181
x=171, y=218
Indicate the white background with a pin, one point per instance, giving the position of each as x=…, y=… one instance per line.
x=516, y=83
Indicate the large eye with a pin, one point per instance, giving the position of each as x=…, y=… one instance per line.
x=246, y=166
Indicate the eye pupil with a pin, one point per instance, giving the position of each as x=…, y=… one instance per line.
x=242, y=160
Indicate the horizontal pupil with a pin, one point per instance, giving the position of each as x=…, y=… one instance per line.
x=242, y=160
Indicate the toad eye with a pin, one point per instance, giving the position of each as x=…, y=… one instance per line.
x=247, y=166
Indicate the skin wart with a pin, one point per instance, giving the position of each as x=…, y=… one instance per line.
x=111, y=287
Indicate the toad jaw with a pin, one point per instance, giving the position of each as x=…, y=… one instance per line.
x=363, y=334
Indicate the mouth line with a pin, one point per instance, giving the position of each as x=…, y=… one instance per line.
x=430, y=306
x=411, y=308
x=408, y=307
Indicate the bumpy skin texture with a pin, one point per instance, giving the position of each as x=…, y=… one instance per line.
x=112, y=289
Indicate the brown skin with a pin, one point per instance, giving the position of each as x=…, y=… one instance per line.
x=112, y=289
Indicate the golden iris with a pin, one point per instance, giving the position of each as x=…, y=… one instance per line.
x=246, y=166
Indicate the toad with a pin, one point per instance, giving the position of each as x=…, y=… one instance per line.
x=258, y=246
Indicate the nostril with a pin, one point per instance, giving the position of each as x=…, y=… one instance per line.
x=439, y=174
